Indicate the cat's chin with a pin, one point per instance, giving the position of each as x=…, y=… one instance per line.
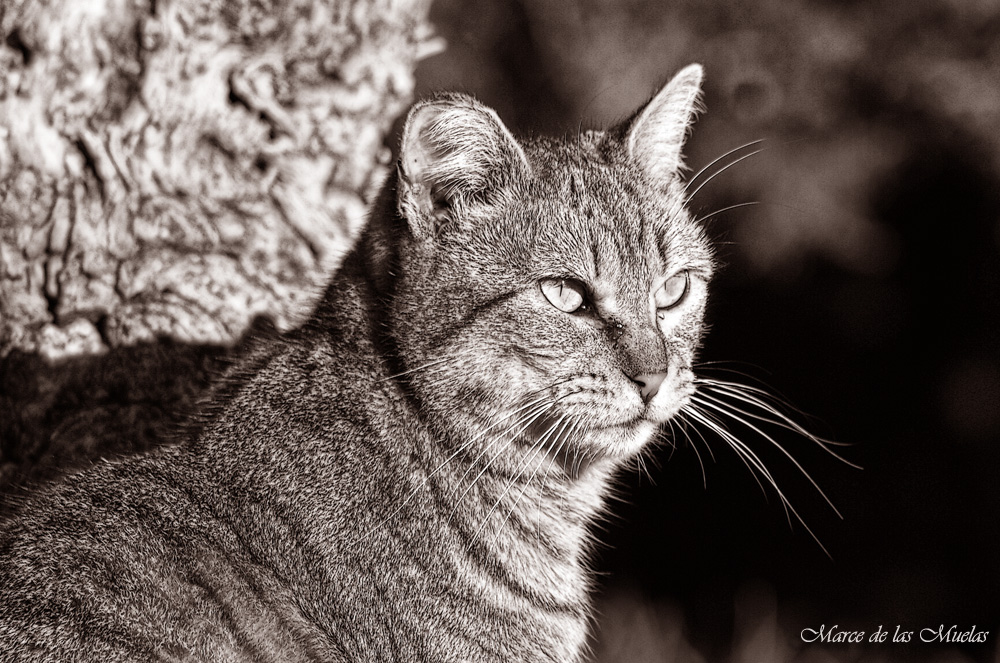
x=603, y=445
x=619, y=442
x=623, y=440
x=628, y=440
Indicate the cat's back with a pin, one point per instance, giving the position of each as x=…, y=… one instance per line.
x=194, y=551
x=73, y=553
x=133, y=560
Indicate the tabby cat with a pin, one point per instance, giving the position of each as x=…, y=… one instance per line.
x=411, y=475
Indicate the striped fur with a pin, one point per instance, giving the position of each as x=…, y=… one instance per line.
x=413, y=474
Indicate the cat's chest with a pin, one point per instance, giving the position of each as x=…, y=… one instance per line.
x=420, y=610
x=425, y=556
x=445, y=564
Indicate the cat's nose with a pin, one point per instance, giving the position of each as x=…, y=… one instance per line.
x=649, y=384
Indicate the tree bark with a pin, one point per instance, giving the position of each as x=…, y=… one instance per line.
x=178, y=168
x=170, y=171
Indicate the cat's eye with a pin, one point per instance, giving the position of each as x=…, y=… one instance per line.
x=565, y=294
x=673, y=290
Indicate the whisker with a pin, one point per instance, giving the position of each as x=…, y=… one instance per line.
x=701, y=463
x=780, y=420
x=684, y=424
x=724, y=366
x=748, y=456
x=719, y=429
x=762, y=389
x=537, y=448
x=525, y=422
x=574, y=432
x=465, y=446
x=420, y=368
x=702, y=219
x=548, y=386
x=720, y=158
x=744, y=394
x=540, y=403
x=720, y=171
x=671, y=437
x=574, y=464
x=708, y=447
x=527, y=484
x=640, y=468
x=717, y=405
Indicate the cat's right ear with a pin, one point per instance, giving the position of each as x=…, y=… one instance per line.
x=657, y=132
x=455, y=154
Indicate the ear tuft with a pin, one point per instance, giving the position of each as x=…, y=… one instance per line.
x=657, y=133
x=455, y=152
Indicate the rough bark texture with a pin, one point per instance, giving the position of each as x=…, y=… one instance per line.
x=176, y=169
x=169, y=172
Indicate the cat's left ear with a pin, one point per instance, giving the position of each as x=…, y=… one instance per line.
x=656, y=134
x=455, y=155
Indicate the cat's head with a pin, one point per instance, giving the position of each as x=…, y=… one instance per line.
x=550, y=294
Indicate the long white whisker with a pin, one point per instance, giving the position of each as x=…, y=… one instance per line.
x=765, y=399
x=541, y=404
x=708, y=447
x=538, y=446
x=750, y=458
x=782, y=421
x=742, y=451
x=717, y=405
x=676, y=426
x=640, y=467
x=740, y=392
x=722, y=170
x=420, y=368
x=718, y=159
x=705, y=217
x=689, y=410
x=524, y=422
x=527, y=484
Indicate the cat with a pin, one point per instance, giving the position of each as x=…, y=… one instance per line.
x=412, y=474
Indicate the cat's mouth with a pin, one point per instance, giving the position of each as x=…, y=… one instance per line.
x=561, y=437
x=608, y=422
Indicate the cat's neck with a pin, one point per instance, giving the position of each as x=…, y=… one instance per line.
x=532, y=521
x=519, y=541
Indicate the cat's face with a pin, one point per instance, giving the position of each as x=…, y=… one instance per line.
x=554, y=291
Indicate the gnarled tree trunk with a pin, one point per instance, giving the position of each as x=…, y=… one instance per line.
x=176, y=168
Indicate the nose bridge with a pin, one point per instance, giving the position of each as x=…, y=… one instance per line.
x=641, y=347
x=631, y=324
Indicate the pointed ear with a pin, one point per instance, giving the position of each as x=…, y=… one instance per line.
x=657, y=132
x=455, y=153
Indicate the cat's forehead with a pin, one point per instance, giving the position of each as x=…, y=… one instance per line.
x=599, y=215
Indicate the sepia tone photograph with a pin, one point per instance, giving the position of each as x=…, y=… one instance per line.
x=508, y=330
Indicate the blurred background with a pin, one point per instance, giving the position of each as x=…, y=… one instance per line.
x=861, y=287
x=861, y=251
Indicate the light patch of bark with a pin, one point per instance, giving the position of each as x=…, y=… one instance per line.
x=178, y=168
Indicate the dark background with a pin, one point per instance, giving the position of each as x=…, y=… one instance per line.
x=862, y=289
